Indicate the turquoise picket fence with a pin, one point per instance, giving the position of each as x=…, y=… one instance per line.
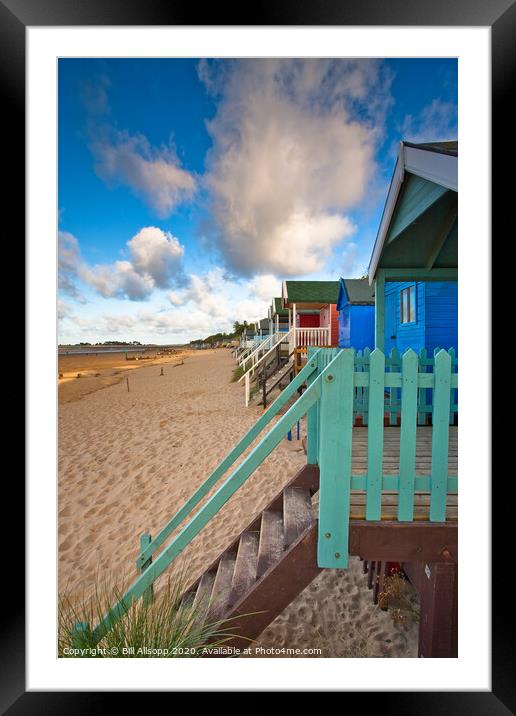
x=374, y=386
x=392, y=395
x=338, y=384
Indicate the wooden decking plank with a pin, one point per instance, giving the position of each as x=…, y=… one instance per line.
x=391, y=450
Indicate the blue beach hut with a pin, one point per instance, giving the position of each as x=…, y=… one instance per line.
x=414, y=262
x=355, y=306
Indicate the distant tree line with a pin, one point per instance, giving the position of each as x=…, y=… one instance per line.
x=238, y=329
x=110, y=343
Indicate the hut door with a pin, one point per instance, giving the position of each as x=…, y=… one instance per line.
x=391, y=300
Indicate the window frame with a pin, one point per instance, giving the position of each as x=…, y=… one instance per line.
x=407, y=292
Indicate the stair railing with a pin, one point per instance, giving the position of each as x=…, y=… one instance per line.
x=246, y=377
x=270, y=342
x=227, y=462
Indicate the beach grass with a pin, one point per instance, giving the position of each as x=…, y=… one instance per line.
x=238, y=372
x=165, y=627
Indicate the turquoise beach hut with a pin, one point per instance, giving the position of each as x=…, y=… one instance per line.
x=413, y=266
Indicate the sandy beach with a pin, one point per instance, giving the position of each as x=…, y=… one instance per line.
x=129, y=459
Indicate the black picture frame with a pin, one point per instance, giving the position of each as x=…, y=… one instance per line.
x=500, y=15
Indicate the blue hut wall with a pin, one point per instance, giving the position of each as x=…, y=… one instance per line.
x=344, y=327
x=436, y=324
x=356, y=327
x=442, y=309
x=362, y=327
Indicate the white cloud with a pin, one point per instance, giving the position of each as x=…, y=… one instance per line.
x=153, y=174
x=265, y=287
x=64, y=310
x=289, y=158
x=436, y=122
x=222, y=299
x=208, y=303
x=156, y=253
x=69, y=258
x=155, y=261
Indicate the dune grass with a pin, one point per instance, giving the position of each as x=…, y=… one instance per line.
x=163, y=627
x=238, y=372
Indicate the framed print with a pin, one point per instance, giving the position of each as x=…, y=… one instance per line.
x=243, y=243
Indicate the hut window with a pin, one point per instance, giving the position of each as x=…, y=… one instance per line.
x=408, y=305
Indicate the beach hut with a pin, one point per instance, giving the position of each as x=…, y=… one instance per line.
x=312, y=312
x=413, y=267
x=264, y=327
x=279, y=316
x=355, y=306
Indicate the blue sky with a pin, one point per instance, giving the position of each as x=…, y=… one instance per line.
x=188, y=189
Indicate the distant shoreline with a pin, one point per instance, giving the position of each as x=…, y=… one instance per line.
x=93, y=350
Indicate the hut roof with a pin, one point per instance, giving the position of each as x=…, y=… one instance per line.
x=439, y=147
x=278, y=307
x=317, y=292
x=422, y=193
x=358, y=291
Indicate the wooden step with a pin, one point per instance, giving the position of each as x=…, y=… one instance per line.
x=271, y=544
x=245, y=566
x=297, y=512
x=269, y=595
x=222, y=586
x=202, y=598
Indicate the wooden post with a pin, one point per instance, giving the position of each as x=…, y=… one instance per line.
x=312, y=419
x=335, y=442
x=246, y=389
x=440, y=436
x=407, y=462
x=127, y=381
x=438, y=619
x=379, y=312
x=370, y=573
x=375, y=435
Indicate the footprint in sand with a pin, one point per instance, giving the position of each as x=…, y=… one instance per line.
x=108, y=508
x=66, y=544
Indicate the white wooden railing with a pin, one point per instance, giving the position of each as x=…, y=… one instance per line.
x=305, y=337
x=254, y=353
x=246, y=377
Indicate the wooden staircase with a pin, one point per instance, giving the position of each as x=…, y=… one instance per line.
x=276, y=379
x=266, y=567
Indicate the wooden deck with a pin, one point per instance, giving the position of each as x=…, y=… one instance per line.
x=391, y=454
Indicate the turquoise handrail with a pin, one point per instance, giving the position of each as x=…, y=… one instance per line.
x=228, y=461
